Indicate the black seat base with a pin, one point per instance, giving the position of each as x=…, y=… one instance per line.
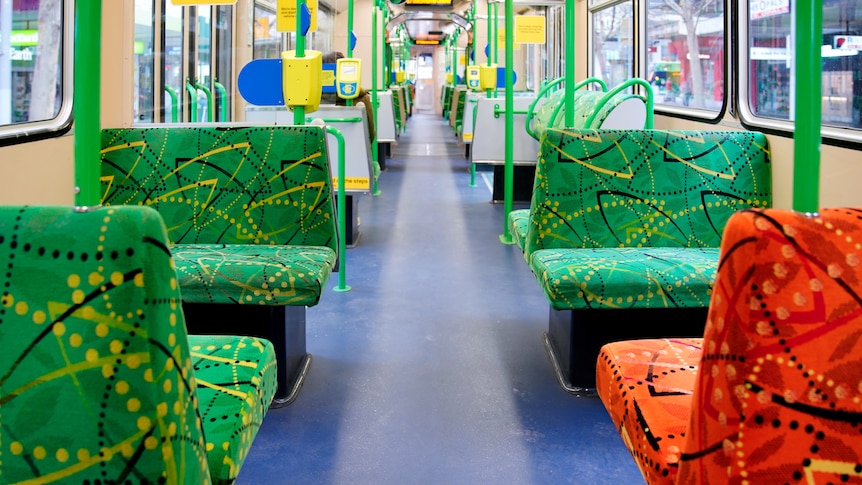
x=284, y=326
x=575, y=337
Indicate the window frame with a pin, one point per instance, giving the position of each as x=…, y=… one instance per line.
x=28, y=131
x=684, y=112
x=830, y=135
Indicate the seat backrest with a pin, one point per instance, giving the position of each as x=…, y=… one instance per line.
x=225, y=184
x=644, y=188
x=621, y=111
x=96, y=382
x=777, y=397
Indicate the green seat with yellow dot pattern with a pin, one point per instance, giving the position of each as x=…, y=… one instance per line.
x=634, y=218
x=97, y=381
x=249, y=210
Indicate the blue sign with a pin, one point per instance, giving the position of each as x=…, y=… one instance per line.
x=259, y=82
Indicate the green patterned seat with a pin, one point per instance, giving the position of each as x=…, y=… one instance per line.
x=99, y=382
x=625, y=225
x=638, y=190
x=250, y=220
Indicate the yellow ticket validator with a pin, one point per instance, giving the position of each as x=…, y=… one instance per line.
x=348, y=73
x=302, y=78
x=488, y=77
x=473, y=77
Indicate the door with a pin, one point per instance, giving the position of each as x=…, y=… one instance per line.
x=183, y=62
x=425, y=82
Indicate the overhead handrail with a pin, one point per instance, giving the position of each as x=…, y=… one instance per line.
x=648, y=99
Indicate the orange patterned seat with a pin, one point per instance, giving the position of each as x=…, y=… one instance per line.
x=773, y=392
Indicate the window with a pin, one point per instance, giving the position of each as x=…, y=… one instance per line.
x=183, y=59
x=267, y=40
x=35, y=66
x=768, y=94
x=685, y=52
x=612, y=43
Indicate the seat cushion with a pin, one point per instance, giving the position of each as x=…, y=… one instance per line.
x=646, y=386
x=252, y=274
x=626, y=277
x=236, y=381
x=519, y=221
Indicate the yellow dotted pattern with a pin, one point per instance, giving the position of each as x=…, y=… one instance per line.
x=98, y=354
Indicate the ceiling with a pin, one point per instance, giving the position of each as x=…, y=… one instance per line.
x=428, y=22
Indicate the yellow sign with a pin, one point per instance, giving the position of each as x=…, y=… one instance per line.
x=328, y=78
x=203, y=2
x=353, y=183
x=529, y=29
x=501, y=40
x=287, y=15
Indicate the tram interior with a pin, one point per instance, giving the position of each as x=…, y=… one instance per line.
x=438, y=364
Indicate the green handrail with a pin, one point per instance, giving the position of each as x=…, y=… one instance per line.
x=375, y=154
x=473, y=130
x=570, y=62
x=222, y=92
x=650, y=103
x=498, y=111
x=349, y=102
x=86, y=99
x=806, y=136
x=210, y=103
x=299, y=111
x=342, y=214
x=531, y=111
x=509, y=169
x=175, y=104
x=490, y=37
x=590, y=80
x=355, y=119
x=193, y=102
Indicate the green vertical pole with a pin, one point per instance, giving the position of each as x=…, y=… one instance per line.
x=349, y=102
x=384, y=61
x=495, y=44
x=455, y=57
x=375, y=150
x=570, y=63
x=175, y=108
x=806, y=137
x=222, y=92
x=299, y=111
x=86, y=101
x=342, y=213
x=193, y=102
x=490, y=36
x=472, y=48
x=509, y=175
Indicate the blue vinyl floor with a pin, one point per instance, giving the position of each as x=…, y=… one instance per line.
x=431, y=370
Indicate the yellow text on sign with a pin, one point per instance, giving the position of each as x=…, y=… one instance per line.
x=501, y=40
x=287, y=15
x=529, y=29
x=328, y=78
x=353, y=183
x=203, y=2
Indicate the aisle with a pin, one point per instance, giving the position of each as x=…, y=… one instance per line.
x=431, y=370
